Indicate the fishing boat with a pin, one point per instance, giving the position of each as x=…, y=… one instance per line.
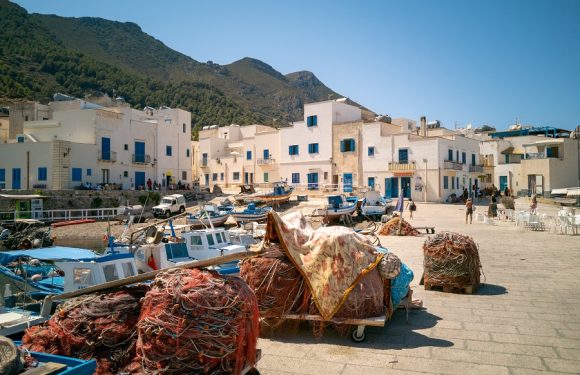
x=374, y=205
x=210, y=215
x=337, y=206
x=280, y=193
x=252, y=213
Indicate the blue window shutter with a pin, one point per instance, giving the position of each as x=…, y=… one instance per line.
x=2, y=174
x=352, y=145
x=266, y=153
x=309, y=121
x=290, y=150
x=314, y=120
x=450, y=155
x=342, y=146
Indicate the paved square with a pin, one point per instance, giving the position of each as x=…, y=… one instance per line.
x=524, y=320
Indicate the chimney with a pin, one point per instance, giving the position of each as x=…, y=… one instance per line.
x=423, y=126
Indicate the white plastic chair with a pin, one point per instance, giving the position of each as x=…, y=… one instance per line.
x=534, y=223
x=565, y=224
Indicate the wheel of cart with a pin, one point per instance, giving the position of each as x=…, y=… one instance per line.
x=358, y=334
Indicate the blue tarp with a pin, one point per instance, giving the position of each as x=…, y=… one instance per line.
x=400, y=284
x=47, y=253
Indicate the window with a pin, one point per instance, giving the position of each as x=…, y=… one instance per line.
x=236, y=176
x=457, y=155
x=128, y=269
x=183, y=175
x=42, y=174
x=445, y=182
x=450, y=155
x=313, y=148
x=457, y=182
x=472, y=159
x=184, y=127
x=218, y=238
x=371, y=151
x=221, y=176
x=89, y=172
x=507, y=158
x=312, y=120
x=295, y=178
x=195, y=241
x=463, y=158
x=371, y=182
x=105, y=148
x=110, y=271
x=126, y=147
x=176, y=251
x=325, y=176
x=204, y=159
x=187, y=153
x=125, y=173
x=20, y=139
x=266, y=177
x=210, y=240
x=2, y=178
x=168, y=150
x=266, y=154
x=293, y=150
x=552, y=152
x=347, y=145
x=249, y=155
x=452, y=183
x=77, y=174
x=83, y=276
x=214, y=177
x=312, y=181
x=403, y=155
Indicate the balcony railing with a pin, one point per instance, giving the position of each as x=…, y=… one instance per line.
x=476, y=168
x=204, y=162
x=141, y=159
x=107, y=156
x=268, y=161
x=449, y=164
x=409, y=166
x=536, y=155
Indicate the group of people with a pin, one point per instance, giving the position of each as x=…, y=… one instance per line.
x=153, y=185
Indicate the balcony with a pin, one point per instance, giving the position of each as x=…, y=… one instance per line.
x=141, y=159
x=449, y=164
x=107, y=156
x=476, y=168
x=402, y=167
x=204, y=163
x=535, y=155
x=266, y=163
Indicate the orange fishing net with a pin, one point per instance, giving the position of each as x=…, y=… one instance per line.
x=391, y=228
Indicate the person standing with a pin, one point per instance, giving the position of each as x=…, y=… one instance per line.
x=149, y=184
x=534, y=205
x=468, y=211
x=412, y=207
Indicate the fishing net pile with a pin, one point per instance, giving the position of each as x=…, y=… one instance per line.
x=26, y=237
x=451, y=259
x=331, y=272
x=99, y=326
x=196, y=322
x=391, y=228
x=278, y=285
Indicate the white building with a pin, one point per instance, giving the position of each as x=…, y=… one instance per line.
x=80, y=142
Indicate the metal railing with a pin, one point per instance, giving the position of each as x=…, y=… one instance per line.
x=60, y=215
x=476, y=168
x=408, y=166
x=203, y=162
x=107, y=156
x=535, y=155
x=449, y=164
x=268, y=161
x=141, y=159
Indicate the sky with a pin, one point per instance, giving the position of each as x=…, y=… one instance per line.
x=461, y=62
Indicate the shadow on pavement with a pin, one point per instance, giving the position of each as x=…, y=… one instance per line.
x=490, y=290
x=397, y=334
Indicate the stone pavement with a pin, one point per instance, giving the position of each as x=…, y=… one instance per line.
x=524, y=320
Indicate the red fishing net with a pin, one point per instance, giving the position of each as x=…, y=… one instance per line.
x=100, y=326
x=276, y=282
x=196, y=322
x=391, y=228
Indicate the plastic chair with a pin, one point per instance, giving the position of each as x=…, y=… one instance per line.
x=565, y=224
x=534, y=223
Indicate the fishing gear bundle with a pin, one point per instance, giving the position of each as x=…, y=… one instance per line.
x=196, y=322
x=451, y=259
x=391, y=228
x=99, y=326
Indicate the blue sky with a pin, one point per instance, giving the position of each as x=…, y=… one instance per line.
x=478, y=62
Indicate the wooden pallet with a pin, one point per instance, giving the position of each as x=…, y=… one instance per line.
x=452, y=289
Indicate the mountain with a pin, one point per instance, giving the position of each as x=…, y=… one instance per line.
x=92, y=56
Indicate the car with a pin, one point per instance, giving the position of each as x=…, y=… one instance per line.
x=170, y=205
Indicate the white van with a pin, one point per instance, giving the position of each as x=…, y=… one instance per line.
x=170, y=204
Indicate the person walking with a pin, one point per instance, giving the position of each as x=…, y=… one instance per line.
x=469, y=211
x=412, y=207
x=534, y=205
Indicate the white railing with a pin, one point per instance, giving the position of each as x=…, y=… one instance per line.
x=60, y=215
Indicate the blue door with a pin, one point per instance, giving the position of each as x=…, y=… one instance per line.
x=246, y=178
x=502, y=183
x=403, y=155
x=105, y=148
x=371, y=183
x=312, y=181
x=15, y=178
x=406, y=186
x=207, y=179
x=392, y=187
x=139, y=152
x=347, y=182
x=139, y=180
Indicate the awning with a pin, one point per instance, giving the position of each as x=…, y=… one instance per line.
x=29, y=196
x=403, y=174
x=563, y=191
x=575, y=192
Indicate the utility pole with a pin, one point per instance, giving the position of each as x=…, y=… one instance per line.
x=578, y=165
